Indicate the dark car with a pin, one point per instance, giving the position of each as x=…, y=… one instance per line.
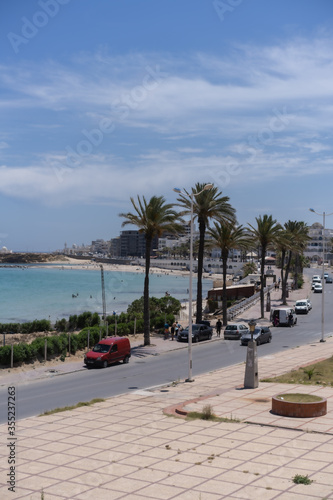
x=199, y=332
x=329, y=279
x=204, y=322
x=261, y=335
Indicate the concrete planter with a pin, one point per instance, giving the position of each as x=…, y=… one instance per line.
x=298, y=410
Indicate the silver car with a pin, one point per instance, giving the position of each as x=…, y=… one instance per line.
x=234, y=331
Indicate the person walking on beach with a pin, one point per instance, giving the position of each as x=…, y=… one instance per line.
x=218, y=327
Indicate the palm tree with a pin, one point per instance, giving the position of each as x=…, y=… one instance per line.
x=152, y=219
x=291, y=242
x=207, y=205
x=227, y=237
x=265, y=234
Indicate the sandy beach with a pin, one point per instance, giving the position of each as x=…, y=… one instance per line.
x=72, y=263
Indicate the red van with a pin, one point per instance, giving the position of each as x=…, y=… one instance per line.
x=108, y=351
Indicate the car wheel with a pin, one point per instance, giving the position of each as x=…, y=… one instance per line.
x=105, y=364
x=126, y=359
x=196, y=339
x=258, y=342
x=210, y=336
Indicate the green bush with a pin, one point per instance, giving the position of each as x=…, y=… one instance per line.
x=5, y=355
x=60, y=325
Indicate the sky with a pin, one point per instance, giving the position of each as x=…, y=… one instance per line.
x=105, y=100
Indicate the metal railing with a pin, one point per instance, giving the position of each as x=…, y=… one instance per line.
x=245, y=304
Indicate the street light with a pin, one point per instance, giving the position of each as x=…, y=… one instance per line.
x=323, y=279
x=191, y=196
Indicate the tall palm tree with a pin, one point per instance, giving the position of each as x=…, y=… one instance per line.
x=207, y=205
x=265, y=234
x=292, y=241
x=227, y=237
x=152, y=219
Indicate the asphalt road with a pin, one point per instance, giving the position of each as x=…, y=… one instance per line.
x=35, y=397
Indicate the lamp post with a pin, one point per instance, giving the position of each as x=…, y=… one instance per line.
x=251, y=368
x=323, y=279
x=191, y=196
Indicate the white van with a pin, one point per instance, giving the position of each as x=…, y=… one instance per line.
x=280, y=316
x=301, y=306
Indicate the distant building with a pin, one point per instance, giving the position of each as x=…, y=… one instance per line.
x=315, y=246
x=133, y=244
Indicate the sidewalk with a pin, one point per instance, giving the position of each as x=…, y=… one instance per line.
x=129, y=447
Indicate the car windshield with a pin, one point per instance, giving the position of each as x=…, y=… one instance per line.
x=231, y=327
x=301, y=304
x=194, y=328
x=101, y=348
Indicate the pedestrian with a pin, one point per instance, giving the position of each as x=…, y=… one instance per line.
x=173, y=329
x=291, y=319
x=218, y=327
x=166, y=331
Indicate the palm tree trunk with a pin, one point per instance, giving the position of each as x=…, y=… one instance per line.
x=262, y=282
x=146, y=315
x=286, y=274
x=202, y=229
x=283, y=258
x=224, y=291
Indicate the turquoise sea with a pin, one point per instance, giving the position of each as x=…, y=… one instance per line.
x=29, y=292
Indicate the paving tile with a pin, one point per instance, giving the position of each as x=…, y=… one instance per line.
x=126, y=485
x=37, y=482
x=66, y=489
x=61, y=473
x=217, y=487
x=96, y=479
x=255, y=493
x=161, y=492
x=100, y=494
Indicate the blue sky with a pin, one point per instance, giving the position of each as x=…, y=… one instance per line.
x=104, y=100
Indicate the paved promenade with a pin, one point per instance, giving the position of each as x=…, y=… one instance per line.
x=132, y=447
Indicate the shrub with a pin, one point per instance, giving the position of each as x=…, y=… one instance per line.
x=60, y=325
x=5, y=355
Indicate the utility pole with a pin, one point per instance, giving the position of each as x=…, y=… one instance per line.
x=103, y=295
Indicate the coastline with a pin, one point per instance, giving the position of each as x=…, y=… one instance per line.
x=71, y=263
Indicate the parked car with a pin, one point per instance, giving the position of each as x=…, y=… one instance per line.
x=199, y=332
x=315, y=279
x=108, y=351
x=329, y=279
x=261, y=335
x=204, y=322
x=234, y=331
x=280, y=316
x=301, y=306
x=318, y=288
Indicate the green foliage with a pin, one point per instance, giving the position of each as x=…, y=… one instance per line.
x=249, y=268
x=299, y=479
x=309, y=372
x=162, y=310
x=60, y=325
x=212, y=305
x=41, y=325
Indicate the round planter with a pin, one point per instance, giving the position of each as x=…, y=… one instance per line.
x=299, y=409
